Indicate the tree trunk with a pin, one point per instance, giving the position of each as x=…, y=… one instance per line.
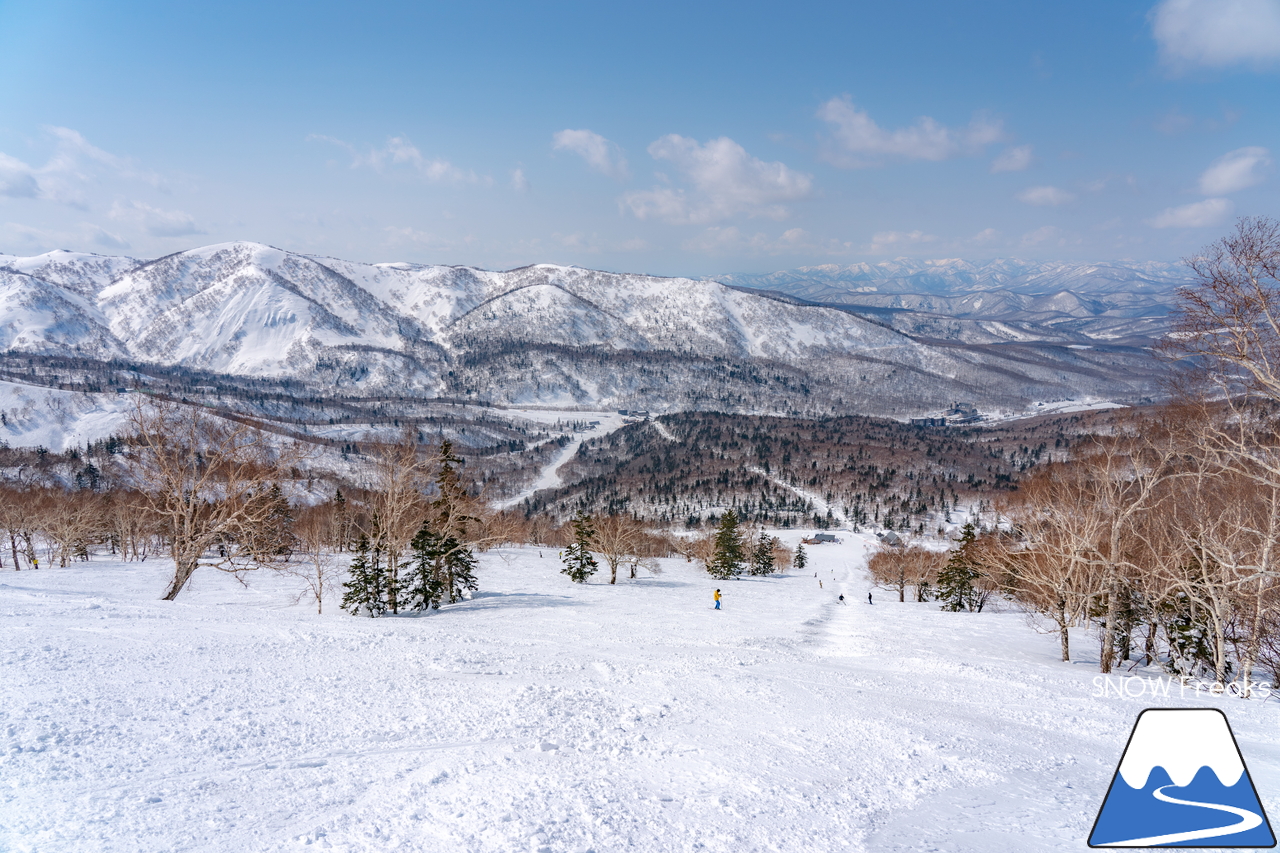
x=1109, y=630
x=184, y=568
x=13, y=545
x=1063, y=636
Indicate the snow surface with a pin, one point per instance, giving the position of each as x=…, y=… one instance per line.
x=549, y=716
x=36, y=416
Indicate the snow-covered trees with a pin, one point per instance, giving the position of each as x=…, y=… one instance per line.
x=578, y=562
x=729, y=557
x=801, y=558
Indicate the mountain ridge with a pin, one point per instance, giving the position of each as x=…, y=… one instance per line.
x=541, y=334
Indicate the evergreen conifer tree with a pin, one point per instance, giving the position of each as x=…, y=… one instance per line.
x=426, y=581
x=578, y=562
x=728, y=558
x=366, y=588
x=955, y=582
x=460, y=570
x=802, y=559
x=762, y=556
x=452, y=508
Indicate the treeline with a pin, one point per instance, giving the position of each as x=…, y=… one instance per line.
x=1165, y=534
x=206, y=490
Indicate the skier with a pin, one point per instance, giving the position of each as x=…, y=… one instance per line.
x=842, y=598
x=717, y=598
x=869, y=601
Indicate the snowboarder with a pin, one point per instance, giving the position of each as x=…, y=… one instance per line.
x=869, y=601
x=842, y=598
x=717, y=598
x=819, y=584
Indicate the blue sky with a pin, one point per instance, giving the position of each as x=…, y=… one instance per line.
x=669, y=138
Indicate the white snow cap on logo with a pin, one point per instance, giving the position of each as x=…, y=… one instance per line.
x=1181, y=741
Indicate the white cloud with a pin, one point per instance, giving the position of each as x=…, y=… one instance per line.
x=1043, y=234
x=896, y=241
x=1200, y=214
x=17, y=179
x=601, y=155
x=102, y=237
x=400, y=152
x=729, y=240
x=1045, y=196
x=519, y=182
x=859, y=142
x=726, y=181
x=73, y=165
x=1236, y=170
x=986, y=235
x=1217, y=33
x=156, y=222
x=1012, y=160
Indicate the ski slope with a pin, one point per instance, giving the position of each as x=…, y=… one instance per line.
x=546, y=716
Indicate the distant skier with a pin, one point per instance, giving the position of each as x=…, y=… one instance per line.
x=717, y=598
x=842, y=601
x=819, y=584
x=869, y=601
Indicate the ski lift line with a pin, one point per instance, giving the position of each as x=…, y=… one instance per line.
x=820, y=503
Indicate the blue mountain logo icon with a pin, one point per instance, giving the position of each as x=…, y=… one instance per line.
x=1182, y=783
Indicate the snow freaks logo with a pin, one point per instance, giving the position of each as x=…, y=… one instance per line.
x=1182, y=783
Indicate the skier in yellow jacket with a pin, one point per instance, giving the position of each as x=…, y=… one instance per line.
x=717, y=598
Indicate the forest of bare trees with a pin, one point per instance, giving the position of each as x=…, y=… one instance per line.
x=1163, y=533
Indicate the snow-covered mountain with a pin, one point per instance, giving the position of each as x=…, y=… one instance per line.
x=1118, y=301
x=953, y=276
x=543, y=334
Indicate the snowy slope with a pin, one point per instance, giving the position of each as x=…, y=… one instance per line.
x=35, y=416
x=548, y=716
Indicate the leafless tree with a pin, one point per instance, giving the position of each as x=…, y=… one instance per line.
x=398, y=503
x=618, y=539
x=1229, y=320
x=315, y=562
x=199, y=473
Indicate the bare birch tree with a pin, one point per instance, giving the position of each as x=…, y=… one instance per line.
x=198, y=474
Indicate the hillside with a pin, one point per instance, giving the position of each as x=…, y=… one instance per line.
x=542, y=335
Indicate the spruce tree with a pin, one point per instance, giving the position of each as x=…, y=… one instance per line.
x=459, y=570
x=802, y=559
x=762, y=556
x=426, y=581
x=452, y=512
x=728, y=558
x=955, y=582
x=366, y=588
x=578, y=562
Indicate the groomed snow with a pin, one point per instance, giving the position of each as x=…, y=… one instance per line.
x=548, y=716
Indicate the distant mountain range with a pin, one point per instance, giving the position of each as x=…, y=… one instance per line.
x=811, y=341
x=1121, y=302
